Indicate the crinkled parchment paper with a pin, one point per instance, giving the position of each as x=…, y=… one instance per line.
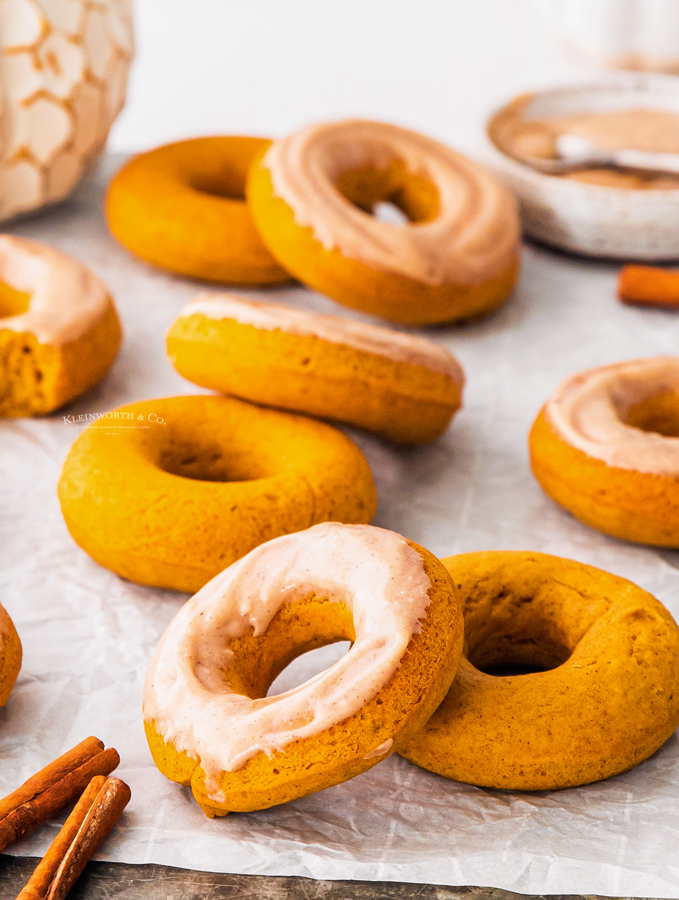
x=88, y=635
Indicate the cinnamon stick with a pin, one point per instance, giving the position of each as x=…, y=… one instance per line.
x=40, y=881
x=649, y=286
x=42, y=806
x=52, y=773
x=100, y=819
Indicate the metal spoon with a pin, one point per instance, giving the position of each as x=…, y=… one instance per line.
x=577, y=152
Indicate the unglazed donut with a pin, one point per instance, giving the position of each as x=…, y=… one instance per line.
x=190, y=484
x=182, y=207
x=10, y=655
x=59, y=331
x=609, y=699
x=606, y=446
x=402, y=387
x=311, y=196
x=208, y=720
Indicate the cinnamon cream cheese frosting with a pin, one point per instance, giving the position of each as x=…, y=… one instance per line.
x=66, y=299
x=525, y=137
x=373, y=572
x=590, y=411
x=473, y=238
x=395, y=345
x=382, y=750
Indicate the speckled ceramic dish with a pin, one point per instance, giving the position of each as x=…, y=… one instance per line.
x=614, y=222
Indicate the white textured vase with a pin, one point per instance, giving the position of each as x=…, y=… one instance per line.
x=624, y=34
x=63, y=77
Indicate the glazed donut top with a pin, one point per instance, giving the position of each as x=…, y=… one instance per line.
x=589, y=411
x=372, y=571
x=473, y=238
x=66, y=300
x=395, y=345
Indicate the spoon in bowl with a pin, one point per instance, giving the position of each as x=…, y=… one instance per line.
x=577, y=152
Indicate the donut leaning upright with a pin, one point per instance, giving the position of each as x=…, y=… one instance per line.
x=208, y=719
x=312, y=194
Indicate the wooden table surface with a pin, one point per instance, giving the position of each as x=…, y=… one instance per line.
x=117, y=881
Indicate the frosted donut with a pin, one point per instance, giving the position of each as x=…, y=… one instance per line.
x=170, y=492
x=208, y=720
x=10, y=655
x=402, y=387
x=608, y=699
x=182, y=207
x=312, y=194
x=59, y=331
x=606, y=447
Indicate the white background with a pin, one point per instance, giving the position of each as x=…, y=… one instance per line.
x=266, y=67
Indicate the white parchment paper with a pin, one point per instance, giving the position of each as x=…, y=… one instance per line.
x=88, y=635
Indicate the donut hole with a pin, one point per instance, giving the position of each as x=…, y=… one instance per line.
x=307, y=665
x=211, y=174
x=207, y=460
x=392, y=194
x=298, y=628
x=389, y=213
x=12, y=301
x=518, y=654
x=658, y=414
x=517, y=634
x=215, y=186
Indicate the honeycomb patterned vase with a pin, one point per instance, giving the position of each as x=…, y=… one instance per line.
x=63, y=76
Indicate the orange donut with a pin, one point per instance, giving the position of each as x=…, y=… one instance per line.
x=208, y=720
x=59, y=329
x=169, y=492
x=181, y=207
x=10, y=655
x=606, y=447
x=312, y=194
x=403, y=387
x=598, y=691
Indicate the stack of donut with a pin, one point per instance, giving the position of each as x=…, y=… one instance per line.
x=601, y=697
x=309, y=212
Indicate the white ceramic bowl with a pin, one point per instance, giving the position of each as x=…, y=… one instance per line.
x=619, y=34
x=611, y=222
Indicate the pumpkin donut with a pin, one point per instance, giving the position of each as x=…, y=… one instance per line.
x=208, y=720
x=608, y=699
x=402, y=387
x=182, y=207
x=606, y=447
x=312, y=194
x=59, y=330
x=170, y=492
x=10, y=655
